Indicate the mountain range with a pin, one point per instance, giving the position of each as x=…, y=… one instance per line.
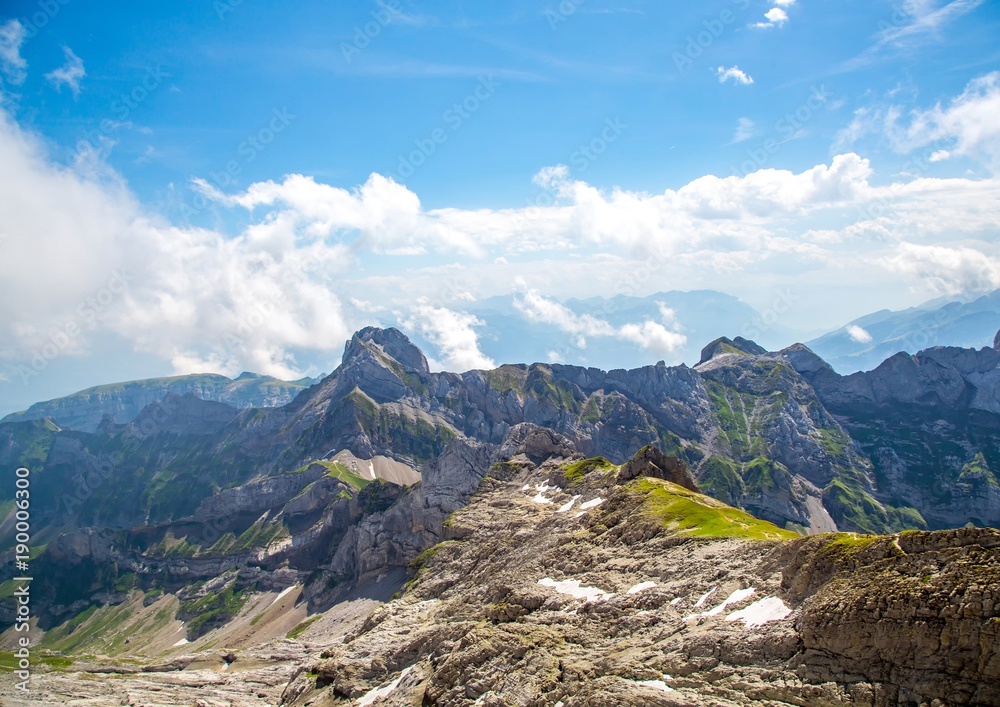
x=178, y=533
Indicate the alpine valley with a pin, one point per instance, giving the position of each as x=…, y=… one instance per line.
x=756, y=529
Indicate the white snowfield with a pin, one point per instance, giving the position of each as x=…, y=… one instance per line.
x=591, y=504
x=705, y=596
x=655, y=684
x=540, y=495
x=569, y=504
x=573, y=588
x=641, y=587
x=735, y=598
x=761, y=612
x=379, y=692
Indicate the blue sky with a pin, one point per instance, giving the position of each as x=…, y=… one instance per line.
x=371, y=162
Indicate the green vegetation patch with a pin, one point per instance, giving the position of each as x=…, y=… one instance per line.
x=578, y=469
x=720, y=478
x=336, y=470
x=302, y=626
x=212, y=610
x=699, y=516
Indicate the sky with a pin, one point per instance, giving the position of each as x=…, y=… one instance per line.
x=229, y=185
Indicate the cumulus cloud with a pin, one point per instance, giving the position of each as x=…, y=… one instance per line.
x=947, y=270
x=650, y=335
x=69, y=74
x=453, y=333
x=859, y=334
x=273, y=292
x=82, y=261
x=775, y=17
x=965, y=126
x=538, y=308
x=12, y=64
x=653, y=336
x=734, y=74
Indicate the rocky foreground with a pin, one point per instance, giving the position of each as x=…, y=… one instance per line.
x=579, y=582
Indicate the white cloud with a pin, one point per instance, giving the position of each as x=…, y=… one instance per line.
x=965, y=126
x=453, y=333
x=735, y=74
x=859, y=334
x=913, y=24
x=745, y=129
x=653, y=336
x=69, y=74
x=649, y=334
x=12, y=64
x=783, y=3
x=947, y=269
x=775, y=17
x=195, y=298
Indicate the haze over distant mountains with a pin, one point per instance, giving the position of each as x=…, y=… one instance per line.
x=604, y=333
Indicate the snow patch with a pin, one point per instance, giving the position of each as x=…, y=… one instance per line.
x=573, y=588
x=182, y=642
x=676, y=600
x=591, y=504
x=380, y=692
x=655, y=684
x=761, y=612
x=705, y=596
x=641, y=587
x=371, y=470
x=540, y=496
x=734, y=598
x=581, y=513
x=283, y=593
x=569, y=504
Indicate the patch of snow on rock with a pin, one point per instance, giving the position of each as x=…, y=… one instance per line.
x=569, y=504
x=591, y=504
x=705, y=596
x=655, y=684
x=761, y=612
x=380, y=692
x=641, y=587
x=734, y=598
x=573, y=588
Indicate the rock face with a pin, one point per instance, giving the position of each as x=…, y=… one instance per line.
x=651, y=462
x=532, y=604
x=124, y=401
x=192, y=488
x=922, y=420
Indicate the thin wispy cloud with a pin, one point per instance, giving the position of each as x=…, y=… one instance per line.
x=12, y=65
x=745, y=129
x=69, y=74
x=921, y=22
x=734, y=74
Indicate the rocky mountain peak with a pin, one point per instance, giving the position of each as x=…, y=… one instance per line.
x=650, y=461
x=725, y=345
x=996, y=341
x=389, y=342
